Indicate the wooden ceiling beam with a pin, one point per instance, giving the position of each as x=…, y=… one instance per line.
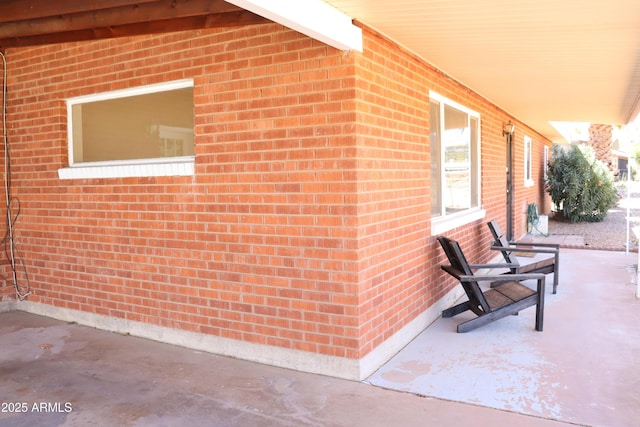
x=117, y=16
x=22, y=10
x=228, y=19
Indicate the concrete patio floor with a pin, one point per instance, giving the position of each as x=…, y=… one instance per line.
x=582, y=370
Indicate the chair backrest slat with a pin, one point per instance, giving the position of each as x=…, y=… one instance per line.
x=477, y=301
x=500, y=240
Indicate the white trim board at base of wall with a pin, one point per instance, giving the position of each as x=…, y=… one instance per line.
x=339, y=367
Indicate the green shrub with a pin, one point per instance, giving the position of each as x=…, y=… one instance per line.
x=581, y=187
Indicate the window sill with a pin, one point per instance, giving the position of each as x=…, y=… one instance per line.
x=442, y=225
x=528, y=183
x=174, y=167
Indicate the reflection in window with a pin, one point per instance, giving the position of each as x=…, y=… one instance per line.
x=457, y=166
x=528, y=169
x=454, y=158
x=149, y=122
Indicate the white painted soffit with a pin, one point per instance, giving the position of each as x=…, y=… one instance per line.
x=540, y=61
x=314, y=18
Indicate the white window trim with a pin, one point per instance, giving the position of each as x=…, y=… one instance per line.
x=170, y=166
x=443, y=99
x=162, y=166
x=445, y=223
x=528, y=154
x=441, y=225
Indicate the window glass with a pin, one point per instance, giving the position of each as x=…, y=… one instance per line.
x=455, y=158
x=142, y=123
x=545, y=161
x=528, y=173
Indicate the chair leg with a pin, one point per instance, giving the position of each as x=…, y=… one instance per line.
x=456, y=309
x=474, y=323
x=539, y=318
x=556, y=270
x=540, y=306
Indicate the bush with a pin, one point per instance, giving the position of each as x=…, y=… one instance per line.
x=581, y=187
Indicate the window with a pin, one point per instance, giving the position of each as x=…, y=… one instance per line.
x=546, y=161
x=528, y=174
x=455, y=164
x=141, y=131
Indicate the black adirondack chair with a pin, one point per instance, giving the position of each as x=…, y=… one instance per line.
x=544, y=266
x=507, y=298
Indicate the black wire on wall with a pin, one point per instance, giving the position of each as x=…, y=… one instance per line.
x=11, y=203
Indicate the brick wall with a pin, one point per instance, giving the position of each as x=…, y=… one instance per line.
x=258, y=246
x=393, y=191
x=306, y=225
x=400, y=259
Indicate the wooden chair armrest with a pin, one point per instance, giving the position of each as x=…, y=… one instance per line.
x=491, y=266
x=501, y=277
x=547, y=245
x=525, y=250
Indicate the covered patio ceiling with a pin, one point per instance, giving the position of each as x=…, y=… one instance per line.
x=541, y=61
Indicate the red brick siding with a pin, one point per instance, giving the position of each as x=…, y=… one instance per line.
x=306, y=225
x=399, y=259
x=258, y=246
x=393, y=191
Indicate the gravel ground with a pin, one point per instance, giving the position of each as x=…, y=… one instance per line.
x=611, y=233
